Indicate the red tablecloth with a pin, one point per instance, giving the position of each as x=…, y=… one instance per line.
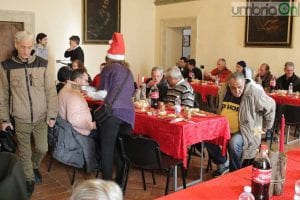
x=231, y=185
x=91, y=102
x=290, y=100
x=174, y=139
x=205, y=89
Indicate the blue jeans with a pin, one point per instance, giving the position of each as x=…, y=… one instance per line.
x=235, y=150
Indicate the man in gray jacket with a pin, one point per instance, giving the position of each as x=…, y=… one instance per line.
x=28, y=94
x=249, y=111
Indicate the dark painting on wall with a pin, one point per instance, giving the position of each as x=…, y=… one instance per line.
x=101, y=20
x=7, y=33
x=269, y=31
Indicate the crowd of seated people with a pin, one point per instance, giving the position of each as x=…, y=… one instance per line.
x=239, y=99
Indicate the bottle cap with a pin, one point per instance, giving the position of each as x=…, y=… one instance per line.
x=247, y=189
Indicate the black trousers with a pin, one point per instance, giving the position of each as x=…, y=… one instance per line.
x=110, y=130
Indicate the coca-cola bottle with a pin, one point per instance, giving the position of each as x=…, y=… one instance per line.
x=272, y=84
x=154, y=95
x=261, y=174
x=191, y=76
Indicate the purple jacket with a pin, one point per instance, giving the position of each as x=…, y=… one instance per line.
x=112, y=78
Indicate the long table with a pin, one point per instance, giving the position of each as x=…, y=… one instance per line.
x=205, y=89
x=175, y=138
x=229, y=186
x=285, y=99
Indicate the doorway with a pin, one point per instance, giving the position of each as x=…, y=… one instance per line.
x=178, y=38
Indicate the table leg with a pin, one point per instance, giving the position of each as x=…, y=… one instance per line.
x=175, y=175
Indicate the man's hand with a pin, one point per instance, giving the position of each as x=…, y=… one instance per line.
x=5, y=125
x=92, y=125
x=51, y=123
x=151, y=83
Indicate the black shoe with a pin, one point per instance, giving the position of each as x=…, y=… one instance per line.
x=37, y=176
x=29, y=188
x=220, y=172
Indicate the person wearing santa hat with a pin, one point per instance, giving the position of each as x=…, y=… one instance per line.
x=122, y=121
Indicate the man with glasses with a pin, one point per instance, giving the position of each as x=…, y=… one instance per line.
x=249, y=110
x=72, y=106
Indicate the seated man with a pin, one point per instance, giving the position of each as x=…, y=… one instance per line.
x=72, y=105
x=264, y=77
x=221, y=72
x=179, y=87
x=249, y=110
x=193, y=72
x=182, y=65
x=158, y=79
x=289, y=76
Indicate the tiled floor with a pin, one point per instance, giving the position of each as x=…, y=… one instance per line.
x=56, y=183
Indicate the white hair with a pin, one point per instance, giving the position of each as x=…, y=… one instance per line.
x=174, y=72
x=97, y=189
x=23, y=35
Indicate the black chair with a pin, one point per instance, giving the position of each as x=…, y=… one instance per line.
x=144, y=153
x=192, y=151
x=61, y=141
x=212, y=103
x=292, y=118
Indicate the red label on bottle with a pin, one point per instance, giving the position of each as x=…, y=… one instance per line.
x=154, y=95
x=261, y=176
x=191, y=74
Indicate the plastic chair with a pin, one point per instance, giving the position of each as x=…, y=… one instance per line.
x=292, y=118
x=144, y=153
x=192, y=151
x=212, y=103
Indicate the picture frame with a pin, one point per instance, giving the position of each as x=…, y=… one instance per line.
x=268, y=31
x=186, y=40
x=101, y=19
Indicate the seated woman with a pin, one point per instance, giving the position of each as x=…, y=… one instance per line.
x=77, y=64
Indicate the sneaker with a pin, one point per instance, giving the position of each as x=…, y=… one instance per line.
x=220, y=172
x=29, y=188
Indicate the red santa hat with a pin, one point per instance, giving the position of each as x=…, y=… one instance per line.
x=117, y=47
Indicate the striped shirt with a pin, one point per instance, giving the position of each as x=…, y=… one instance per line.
x=184, y=90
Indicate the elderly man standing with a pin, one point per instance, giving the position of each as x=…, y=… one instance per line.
x=289, y=76
x=158, y=79
x=179, y=87
x=220, y=71
x=28, y=94
x=249, y=111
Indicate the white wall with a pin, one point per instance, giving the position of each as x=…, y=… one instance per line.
x=221, y=35
x=60, y=19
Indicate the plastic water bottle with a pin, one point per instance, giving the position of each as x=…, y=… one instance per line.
x=177, y=105
x=297, y=190
x=217, y=80
x=290, y=91
x=246, y=195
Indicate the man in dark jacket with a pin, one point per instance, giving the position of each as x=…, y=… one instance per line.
x=193, y=72
x=75, y=52
x=158, y=79
x=289, y=76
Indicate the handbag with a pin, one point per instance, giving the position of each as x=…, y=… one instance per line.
x=104, y=111
x=7, y=141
